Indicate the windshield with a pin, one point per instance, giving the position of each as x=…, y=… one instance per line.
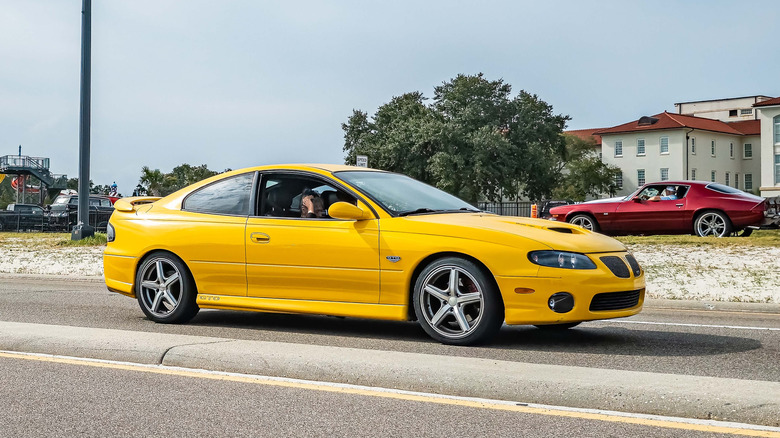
x=401, y=195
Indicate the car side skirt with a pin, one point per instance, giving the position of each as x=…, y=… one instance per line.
x=357, y=310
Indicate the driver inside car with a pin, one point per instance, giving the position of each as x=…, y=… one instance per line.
x=668, y=194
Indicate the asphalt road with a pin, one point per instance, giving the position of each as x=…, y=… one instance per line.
x=56, y=399
x=673, y=359
x=731, y=344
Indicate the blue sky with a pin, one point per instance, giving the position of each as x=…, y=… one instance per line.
x=240, y=83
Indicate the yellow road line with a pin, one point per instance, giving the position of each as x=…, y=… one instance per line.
x=397, y=395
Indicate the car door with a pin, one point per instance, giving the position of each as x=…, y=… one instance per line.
x=643, y=216
x=318, y=259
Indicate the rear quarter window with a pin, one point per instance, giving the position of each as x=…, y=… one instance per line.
x=724, y=189
x=230, y=196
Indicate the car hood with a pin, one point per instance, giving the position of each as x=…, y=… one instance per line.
x=602, y=201
x=505, y=230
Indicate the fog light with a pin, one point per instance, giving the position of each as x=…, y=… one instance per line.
x=562, y=302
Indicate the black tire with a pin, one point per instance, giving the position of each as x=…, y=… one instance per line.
x=712, y=223
x=563, y=326
x=457, y=303
x=585, y=221
x=169, y=298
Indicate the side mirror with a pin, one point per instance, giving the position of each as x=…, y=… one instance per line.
x=345, y=210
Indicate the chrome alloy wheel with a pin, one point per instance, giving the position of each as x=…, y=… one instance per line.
x=161, y=287
x=583, y=221
x=452, y=301
x=712, y=224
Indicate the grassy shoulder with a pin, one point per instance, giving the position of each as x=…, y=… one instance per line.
x=759, y=238
x=49, y=240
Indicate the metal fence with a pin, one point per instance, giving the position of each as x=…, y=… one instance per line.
x=507, y=208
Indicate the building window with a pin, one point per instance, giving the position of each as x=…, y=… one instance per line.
x=693, y=174
x=618, y=148
x=731, y=150
x=712, y=148
x=746, y=112
x=736, y=180
x=748, y=153
x=619, y=179
x=732, y=113
x=665, y=174
x=777, y=168
x=777, y=129
x=748, y=181
x=640, y=177
x=728, y=178
x=664, y=145
x=693, y=145
x=640, y=146
x=712, y=176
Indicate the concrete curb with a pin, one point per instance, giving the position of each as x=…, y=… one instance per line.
x=745, y=401
x=46, y=277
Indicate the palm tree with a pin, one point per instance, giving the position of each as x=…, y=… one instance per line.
x=152, y=181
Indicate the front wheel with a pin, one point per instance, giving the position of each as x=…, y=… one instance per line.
x=457, y=303
x=712, y=223
x=585, y=221
x=165, y=290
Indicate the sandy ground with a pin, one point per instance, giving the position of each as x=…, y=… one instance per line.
x=739, y=274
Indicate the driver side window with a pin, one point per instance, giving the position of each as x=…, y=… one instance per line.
x=294, y=196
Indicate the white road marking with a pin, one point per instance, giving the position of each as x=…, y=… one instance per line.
x=682, y=324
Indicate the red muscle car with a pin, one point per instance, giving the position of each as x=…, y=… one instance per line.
x=670, y=207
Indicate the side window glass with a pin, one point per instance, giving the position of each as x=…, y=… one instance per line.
x=94, y=202
x=230, y=196
x=299, y=197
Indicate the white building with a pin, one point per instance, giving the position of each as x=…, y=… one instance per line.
x=730, y=141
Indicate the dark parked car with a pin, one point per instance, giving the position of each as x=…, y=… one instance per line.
x=544, y=211
x=18, y=217
x=670, y=207
x=63, y=212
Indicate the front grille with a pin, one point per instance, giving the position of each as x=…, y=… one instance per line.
x=616, y=300
x=617, y=266
x=634, y=265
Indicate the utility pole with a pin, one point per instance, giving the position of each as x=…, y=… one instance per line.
x=82, y=228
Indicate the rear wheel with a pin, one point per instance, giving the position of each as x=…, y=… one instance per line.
x=585, y=221
x=165, y=290
x=712, y=223
x=457, y=303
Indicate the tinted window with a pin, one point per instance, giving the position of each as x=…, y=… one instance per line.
x=282, y=196
x=723, y=189
x=228, y=196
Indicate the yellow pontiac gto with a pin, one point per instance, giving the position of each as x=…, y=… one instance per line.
x=350, y=241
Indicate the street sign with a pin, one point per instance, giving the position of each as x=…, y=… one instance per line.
x=362, y=161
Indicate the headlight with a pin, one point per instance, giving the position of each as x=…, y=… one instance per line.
x=561, y=259
x=110, y=233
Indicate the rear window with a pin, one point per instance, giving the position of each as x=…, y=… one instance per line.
x=724, y=189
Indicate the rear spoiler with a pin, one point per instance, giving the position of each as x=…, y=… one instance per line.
x=129, y=204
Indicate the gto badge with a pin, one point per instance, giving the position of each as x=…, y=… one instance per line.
x=394, y=259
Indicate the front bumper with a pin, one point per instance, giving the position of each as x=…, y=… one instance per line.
x=526, y=307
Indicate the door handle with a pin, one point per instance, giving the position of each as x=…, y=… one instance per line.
x=259, y=237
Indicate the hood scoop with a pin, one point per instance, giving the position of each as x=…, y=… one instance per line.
x=564, y=230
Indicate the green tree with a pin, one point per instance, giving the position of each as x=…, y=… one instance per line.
x=475, y=140
x=582, y=171
x=156, y=183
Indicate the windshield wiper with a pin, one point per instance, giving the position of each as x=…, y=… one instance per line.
x=430, y=210
x=418, y=211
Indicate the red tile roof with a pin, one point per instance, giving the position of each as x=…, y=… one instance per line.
x=747, y=127
x=775, y=101
x=673, y=121
x=586, y=134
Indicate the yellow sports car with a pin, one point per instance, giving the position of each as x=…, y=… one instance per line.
x=350, y=241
